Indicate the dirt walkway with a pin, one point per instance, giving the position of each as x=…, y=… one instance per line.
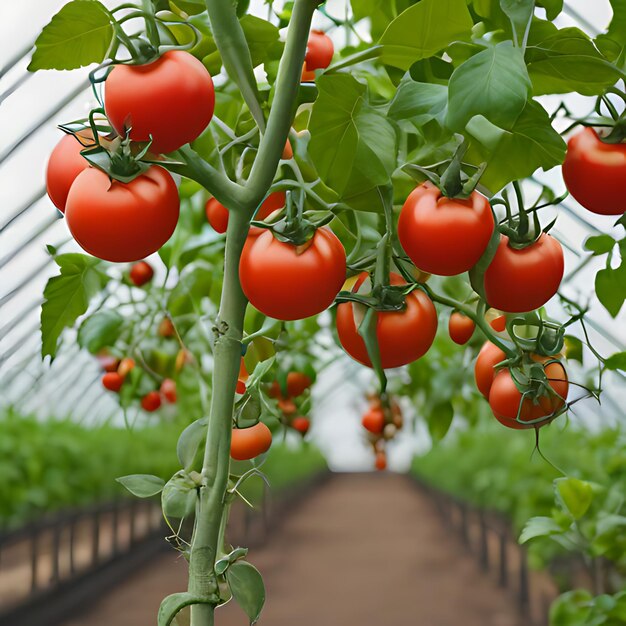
x=363, y=550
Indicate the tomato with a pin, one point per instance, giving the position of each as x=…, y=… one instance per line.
x=241, y=387
x=287, y=406
x=297, y=384
x=301, y=424
x=488, y=357
x=518, y=281
x=444, y=236
x=247, y=443
x=287, y=151
x=217, y=215
x=403, y=336
x=125, y=366
x=107, y=362
x=112, y=381
x=166, y=328
x=64, y=165
x=286, y=283
x=243, y=372
x=122, y=222
x=171, y=100
x=168, y=390
x=141, y=273
x=151, y=401
x=595, y=173
x=461, y=328
x=506, y=401
x=381, y=461
x=319, y=51
x=374, y=421
x=498, y=323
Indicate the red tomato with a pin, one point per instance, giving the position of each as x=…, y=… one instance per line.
x=122, y=222
x=403, y=336
x=168, y=390
x=107, y=362
x=171, y=99
x=506, y=400
x=301, y=424
x=488, y=357
x=217, y=215
x=297, y=384
x=64, y=165
x=595, y=173
x=247, y=443
x=151, y=401
x=287, y=406
x=381, y=461
x=287, y=151
x=112, y=381
x=518, y=281
x=125, y=366
x=461, y=328
x=243, y=372
x=319, y=51
x=141, y=273
x=498, y=323
x=444, y=236
x=374, y=421
x=287, y=284
x=241, y=387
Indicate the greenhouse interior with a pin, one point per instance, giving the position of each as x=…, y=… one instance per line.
x=313, y=313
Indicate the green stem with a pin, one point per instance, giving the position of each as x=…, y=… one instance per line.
x=233, y=48
x=216, y=465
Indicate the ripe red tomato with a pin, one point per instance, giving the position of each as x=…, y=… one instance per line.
x=461, y=328
x=518, y=281
x=297, y=384
x=241, y=387
x=595, y=173
x=247, y=443
x=287, y=285
x=498, y=323
x=444, y=236
x=301, y=424
x=171, y=99
x=125, y=366
x=488, y=357
x=122, y=222
x=112, y=381
x=108, y=362
x=151, y=401
x=403, y=336
x=141, y=273
x=217, y=215
x=319, y=51
x=287, y=406
x=168, y=390
x=381, y=461
x=374, y=421
x=506, y=401
x=64, y=165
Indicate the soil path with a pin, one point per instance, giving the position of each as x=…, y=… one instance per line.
x=363, y=550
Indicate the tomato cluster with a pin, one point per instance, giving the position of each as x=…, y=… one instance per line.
x=289, y=400
x=382, y=421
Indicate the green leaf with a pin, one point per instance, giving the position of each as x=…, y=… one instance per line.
x=175, y=603
x=100, y=330
x=261, y=36
x=178, y=498
x=519, y=12
x=574, y=495
x=613, y=42
x=514, y=154
x=539, y=527
x=440, y=420
x=573, y=348
x=142, y=485
x=423, y=30
x=352, y=146
x=79, y=34
x=493, y=83
x=246, y=585
x=616, y=362
x=420, y=102
x=553, y=7
x=566, y=60
x=67, y=296
x=600, y=244
x=189, y=442
x=572, y=608
x=611, y=288
x=193, y=285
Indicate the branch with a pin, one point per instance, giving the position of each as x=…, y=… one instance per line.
x=233, y=48
x=281, y=113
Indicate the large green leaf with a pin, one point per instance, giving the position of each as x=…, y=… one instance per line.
x=79, y=34
x=246, y=585
x=379, y=13
x=352, y=146
x=566, y=60
x=420, y=102
x=613, y=42
x=100, y=330
x=531, y=143
x=67, y=296
x=423, y=30
x=493, y=83
x=611, y=288
x=539, y=527
x=142, y=485
x=261, y=36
